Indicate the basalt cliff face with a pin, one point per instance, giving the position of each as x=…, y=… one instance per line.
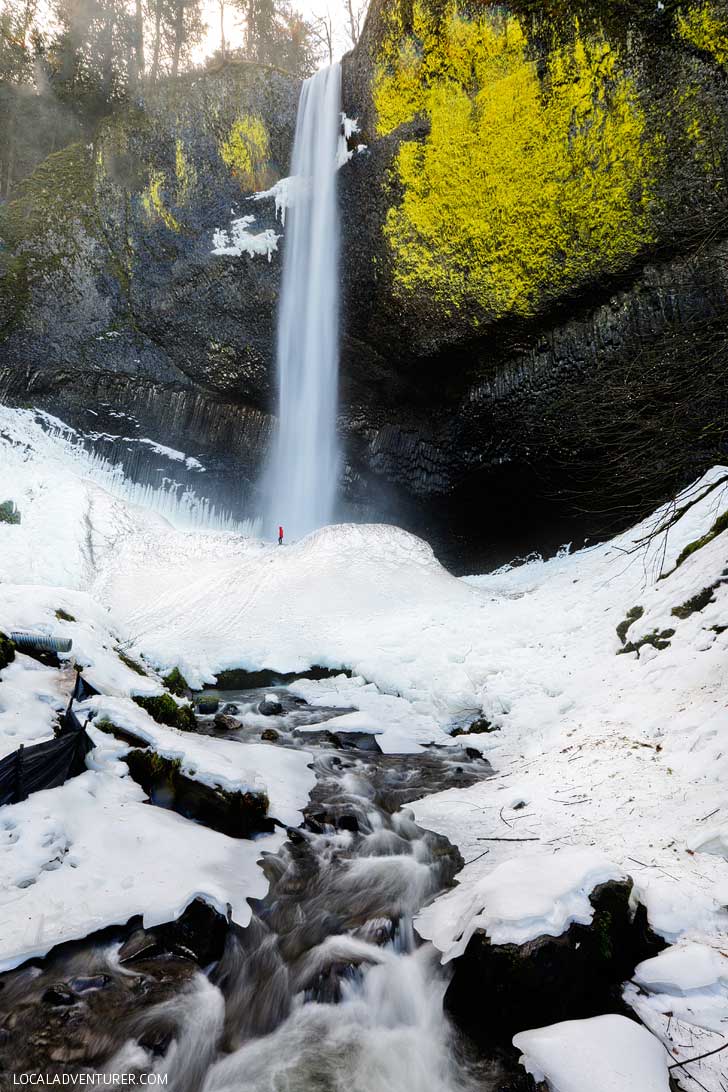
x=116, y=314
x=534, y=264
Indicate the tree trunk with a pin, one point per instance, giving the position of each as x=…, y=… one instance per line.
x=222, y=28
x=139, y=38
x=353, y=22
x=154, y=74
x=179, y=26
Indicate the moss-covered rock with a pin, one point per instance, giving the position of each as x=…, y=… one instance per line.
x=7, y=651
x=132, y=664
x=9, y=512
x=531, y=180
x=633, y=614
x=165, y=710
x=696, y=602
x=659, y=639
x=176, y=683
x=720, y=525
x=477, y=727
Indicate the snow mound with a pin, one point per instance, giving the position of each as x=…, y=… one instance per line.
x=682, y=969
x=682, y=997
x=537, y=894
x=609, y=1053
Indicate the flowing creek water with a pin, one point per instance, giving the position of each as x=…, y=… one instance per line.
x=327, y=990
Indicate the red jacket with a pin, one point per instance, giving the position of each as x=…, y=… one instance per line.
x=280, y=532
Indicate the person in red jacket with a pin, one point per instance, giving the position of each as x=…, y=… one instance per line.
x=280, y=536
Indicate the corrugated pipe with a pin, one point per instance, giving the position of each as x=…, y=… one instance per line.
x=38, y=643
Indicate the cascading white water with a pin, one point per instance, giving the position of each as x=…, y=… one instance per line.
x=302, y=476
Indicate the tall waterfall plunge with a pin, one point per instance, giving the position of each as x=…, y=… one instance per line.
x=303, y=471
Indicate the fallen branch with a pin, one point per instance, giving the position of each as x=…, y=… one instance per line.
x=508, y=839
x=698, y=1058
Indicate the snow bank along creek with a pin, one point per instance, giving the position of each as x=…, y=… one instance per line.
x=327, y=988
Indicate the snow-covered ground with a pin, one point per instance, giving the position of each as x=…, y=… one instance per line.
x=605, y=763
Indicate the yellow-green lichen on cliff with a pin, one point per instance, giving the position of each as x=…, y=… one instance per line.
x=705, y=26
x=246, y=151
x=525, y=187
x=153, y=201
x=186, y=173
x=704, y=133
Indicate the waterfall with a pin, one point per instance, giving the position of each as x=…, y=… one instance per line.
x=303, y=470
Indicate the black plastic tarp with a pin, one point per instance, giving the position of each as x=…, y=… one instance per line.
x=43, y=765
x=51, y=763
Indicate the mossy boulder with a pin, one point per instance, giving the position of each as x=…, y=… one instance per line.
x=238, y=814
x=477, y=727
x=7, y=651
x=176, y=683
x=658, y=639
x=633, y=615
x=165, y=710
x=9, y=512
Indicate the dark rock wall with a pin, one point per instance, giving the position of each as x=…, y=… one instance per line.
x=539, y=204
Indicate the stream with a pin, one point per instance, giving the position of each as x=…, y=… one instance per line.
x=327, y=990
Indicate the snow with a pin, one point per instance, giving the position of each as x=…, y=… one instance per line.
x=30, y=700
x=51, y=476
x=538, y=894
x=399, y=727
x=169, y=452
x=682, y=996
x=682, y=969
x=616, y=1054
x=238, y=240
x=618, y=759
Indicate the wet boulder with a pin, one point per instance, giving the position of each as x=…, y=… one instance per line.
x=224, y=722
x=59, y=995
x=500, y=989
x=270, y=706
x=199, y=935
x=207, y=706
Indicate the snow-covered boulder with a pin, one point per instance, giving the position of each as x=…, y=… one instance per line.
x=544, y=936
